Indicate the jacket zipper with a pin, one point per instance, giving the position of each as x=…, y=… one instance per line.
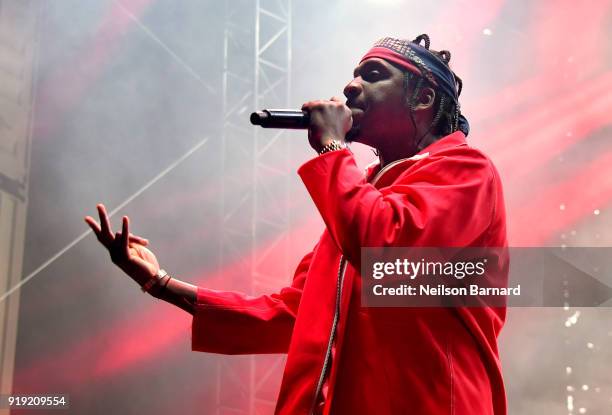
x=332, y=335
x=340, y=280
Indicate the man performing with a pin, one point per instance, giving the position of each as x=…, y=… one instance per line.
x=430, y=189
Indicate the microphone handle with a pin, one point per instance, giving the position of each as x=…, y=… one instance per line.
x=280, y=118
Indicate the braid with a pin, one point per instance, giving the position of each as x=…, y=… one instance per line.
x=438, y=116
x=451, y=113
x=445, y=56
x=446, y=119
x=459, y=84
x=456, y=121
x=424, y=37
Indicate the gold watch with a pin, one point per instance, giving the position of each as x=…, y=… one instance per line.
x=333, y=145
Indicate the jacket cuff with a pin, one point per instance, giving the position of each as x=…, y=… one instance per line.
x=205, y=321
x=319, y=164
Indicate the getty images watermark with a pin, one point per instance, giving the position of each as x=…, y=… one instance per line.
x=437, y=272
x=486, y=277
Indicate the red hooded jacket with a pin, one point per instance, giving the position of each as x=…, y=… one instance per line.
x=386, y=360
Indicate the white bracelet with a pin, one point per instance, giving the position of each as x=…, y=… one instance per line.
x=146, y=287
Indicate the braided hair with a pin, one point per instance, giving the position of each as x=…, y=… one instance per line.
x=446, y=118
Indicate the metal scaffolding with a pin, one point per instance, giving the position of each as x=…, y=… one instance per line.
x=18, y=51
x=256, y=170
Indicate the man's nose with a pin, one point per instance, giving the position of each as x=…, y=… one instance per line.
x=352, y=90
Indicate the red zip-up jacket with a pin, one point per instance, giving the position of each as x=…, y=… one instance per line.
x=386, y=360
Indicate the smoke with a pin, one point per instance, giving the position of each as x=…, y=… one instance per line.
x=124, y=89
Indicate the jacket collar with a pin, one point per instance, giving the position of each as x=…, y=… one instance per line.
x=374, y=173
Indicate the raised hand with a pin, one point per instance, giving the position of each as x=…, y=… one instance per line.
x=329, y=120
x=127, y=251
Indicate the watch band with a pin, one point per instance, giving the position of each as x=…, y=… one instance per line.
x=146, y=287
x=332, y=146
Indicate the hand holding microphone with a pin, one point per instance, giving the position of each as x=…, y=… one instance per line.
x=329, y=121
x=326, y=120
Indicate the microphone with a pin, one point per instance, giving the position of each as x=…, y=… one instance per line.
x=292, y=119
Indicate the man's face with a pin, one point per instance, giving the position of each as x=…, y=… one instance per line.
x=377, y=99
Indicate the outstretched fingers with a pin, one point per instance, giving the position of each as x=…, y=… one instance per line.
x=139, y=240
x=93, y=225
x=106, y=234
x=125, y=239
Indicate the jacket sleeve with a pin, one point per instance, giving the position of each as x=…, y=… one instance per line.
x=234, y=323
x=444, y=200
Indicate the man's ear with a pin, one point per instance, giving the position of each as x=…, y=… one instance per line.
x=426, y=99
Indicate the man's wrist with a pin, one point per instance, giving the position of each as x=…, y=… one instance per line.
x=159, y=289
x=154, y=281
